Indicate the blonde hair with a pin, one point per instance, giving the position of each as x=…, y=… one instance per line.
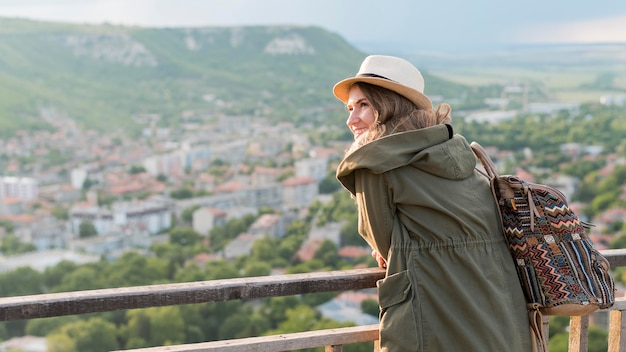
x=395, y=113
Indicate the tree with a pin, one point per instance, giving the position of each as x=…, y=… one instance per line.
x=93, y=335
x=45, y=326
x=3, y=332
x=298, y=228
x=306, y=267
x=598, y=339
x=223, y=234
x=136, y=332
x=60, y=213
x=134, y=269
x=349, y=233
x=218, y=270
x=264, y=249
x=288, y=246
x=87, y=229
x=370, y=306
x=300, y=318
x=327, y=253
x=244, y=323
x=189, y=273
x=20, y=282
x=187, y=214
x=8, y=226
x=619, y=242
x=329, y=184
x=59, y=342
x=275, y=308
x=83, y=278
x=10, y=245
x=209, y=317
x=255, y=268
x=167, y=326
x=184, y=236
x=173, y=255
x=87, y=184
x=156, y=326
x=136, y=169
x=181, y=193
x=54, y=275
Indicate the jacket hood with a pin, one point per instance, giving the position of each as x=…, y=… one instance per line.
x=435, y=150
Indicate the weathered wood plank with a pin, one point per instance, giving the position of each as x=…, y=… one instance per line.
x=286, y=342
x=68, y=303
x=105, y=300
x=578, y=333
x=617, y=331
x=616, y=257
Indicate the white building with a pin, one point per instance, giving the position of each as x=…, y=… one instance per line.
x=22, y=188
x=316, y=168
x=78, y=177
x=155, y=215
x=241, y=245
x=608, y=100
x=230, y=152
x=268, y=224
x=11, y=206
x=195, y=157
x=204, y=219
x=491, y=116
x=165, y=164
x=41, y=260
x=46, y=233
x=25, y=344
x=299, y=192
x=115, y=243
x=89, y=171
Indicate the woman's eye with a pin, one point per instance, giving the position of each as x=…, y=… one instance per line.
x=364, y=105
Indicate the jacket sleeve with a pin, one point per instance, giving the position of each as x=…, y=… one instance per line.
x=376, y=210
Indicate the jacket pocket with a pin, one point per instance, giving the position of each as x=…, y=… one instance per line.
x=398, y=328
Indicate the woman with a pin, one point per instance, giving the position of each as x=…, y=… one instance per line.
x=430, y=218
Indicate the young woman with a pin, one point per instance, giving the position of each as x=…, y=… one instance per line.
x=430, y=218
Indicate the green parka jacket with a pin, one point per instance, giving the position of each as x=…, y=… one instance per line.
x=451, y=284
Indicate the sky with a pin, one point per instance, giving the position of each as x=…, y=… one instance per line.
x=420, y=25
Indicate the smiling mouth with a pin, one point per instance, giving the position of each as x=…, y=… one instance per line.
x=357, y=132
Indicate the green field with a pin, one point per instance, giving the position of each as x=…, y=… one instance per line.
x=578, y=72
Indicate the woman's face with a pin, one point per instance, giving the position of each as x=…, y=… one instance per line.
x=362, y=114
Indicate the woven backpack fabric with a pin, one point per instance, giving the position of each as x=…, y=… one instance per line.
x=560, y=271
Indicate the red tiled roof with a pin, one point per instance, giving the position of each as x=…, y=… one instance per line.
x=354, y=251
x=298, y=181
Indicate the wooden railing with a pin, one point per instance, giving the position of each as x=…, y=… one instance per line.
x=105, y=300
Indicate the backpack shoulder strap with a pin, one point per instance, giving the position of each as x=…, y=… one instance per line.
x=485, y=160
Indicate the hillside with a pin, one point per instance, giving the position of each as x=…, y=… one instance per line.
x=105, y=76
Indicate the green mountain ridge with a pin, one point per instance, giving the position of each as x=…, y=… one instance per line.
x=103, y=76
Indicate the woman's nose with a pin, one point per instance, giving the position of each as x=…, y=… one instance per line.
x=352, y=118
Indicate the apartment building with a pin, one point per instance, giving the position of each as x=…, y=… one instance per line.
x=154, y=214
x=22, y=188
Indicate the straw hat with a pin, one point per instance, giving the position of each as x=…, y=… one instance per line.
x=389, y=72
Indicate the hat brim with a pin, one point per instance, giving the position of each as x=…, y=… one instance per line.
x=342, y=90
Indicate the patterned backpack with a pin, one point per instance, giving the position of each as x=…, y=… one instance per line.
x=560, y=271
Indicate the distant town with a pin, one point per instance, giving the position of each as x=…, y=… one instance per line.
x=124, y=188
x=136, y=177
